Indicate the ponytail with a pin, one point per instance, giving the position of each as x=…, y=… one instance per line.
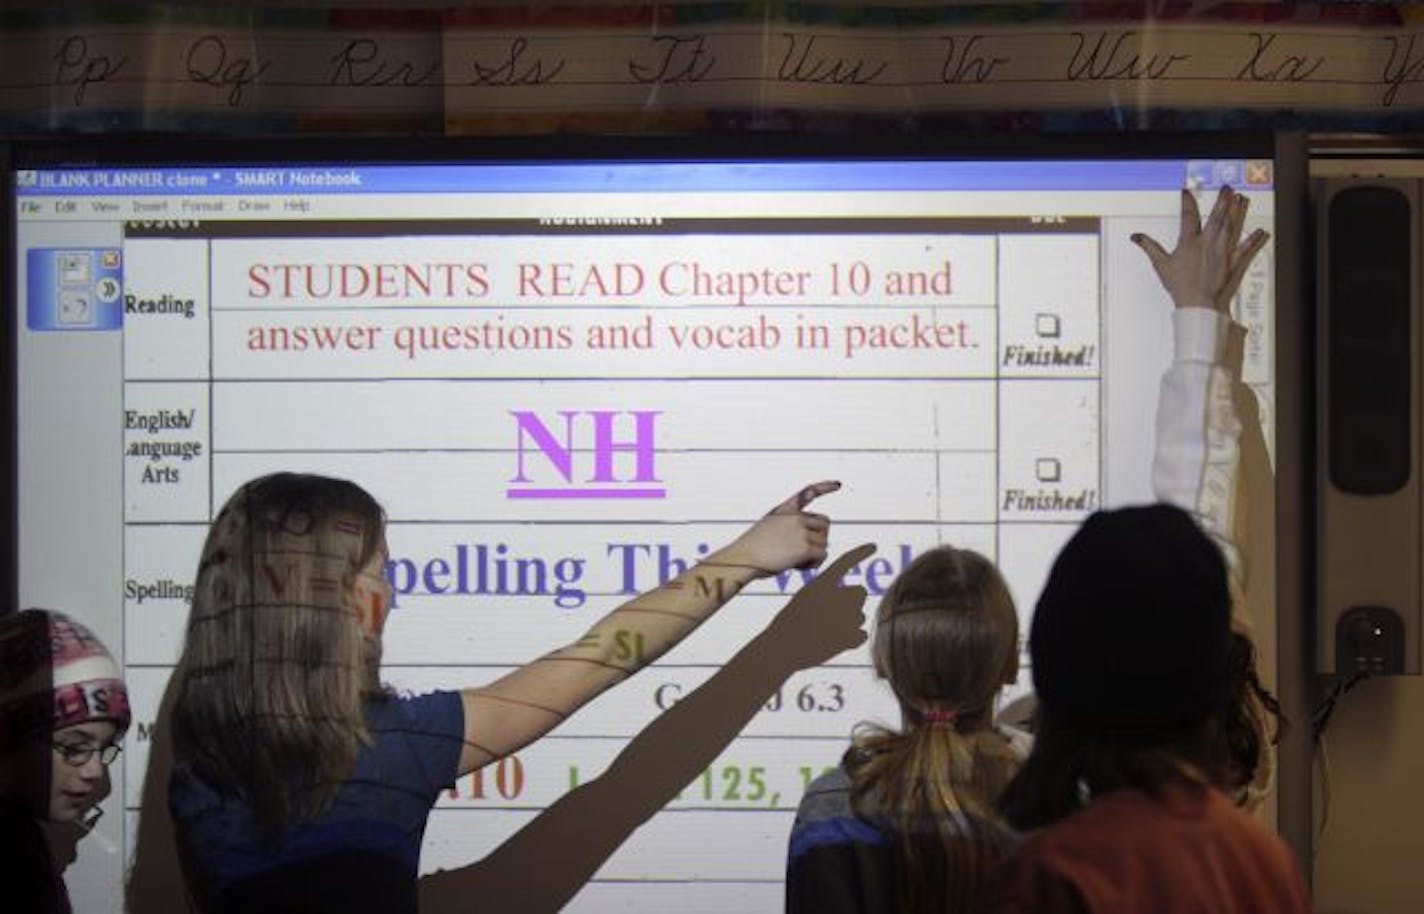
x=934, y=786
x=946, y=640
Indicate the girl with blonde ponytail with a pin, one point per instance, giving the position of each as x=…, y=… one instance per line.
x=907, y=822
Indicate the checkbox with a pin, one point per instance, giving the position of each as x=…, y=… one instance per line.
x=1048, y=469
x=1048, y=325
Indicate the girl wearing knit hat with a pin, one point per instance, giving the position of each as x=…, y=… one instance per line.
x=63, y=710
x=906, y=823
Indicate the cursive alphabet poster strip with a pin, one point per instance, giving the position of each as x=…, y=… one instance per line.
x=509, y=68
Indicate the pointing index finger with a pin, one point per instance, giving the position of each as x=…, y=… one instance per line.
x=807, y=495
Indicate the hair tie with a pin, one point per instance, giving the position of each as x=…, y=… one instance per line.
x=940, y=716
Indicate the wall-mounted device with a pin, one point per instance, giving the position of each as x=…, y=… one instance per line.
x=1368, y=553
x=1370, y=640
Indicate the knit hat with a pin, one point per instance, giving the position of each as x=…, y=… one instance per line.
x=1130, y=637
x=54, y=673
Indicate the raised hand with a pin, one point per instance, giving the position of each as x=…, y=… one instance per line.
x=789, y=536
x=824, y=618
x=1205, y=269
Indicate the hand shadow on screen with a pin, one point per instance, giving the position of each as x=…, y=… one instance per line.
x=155, y=881
x=543, y=865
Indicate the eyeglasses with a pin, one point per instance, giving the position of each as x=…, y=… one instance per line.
x=79, y=756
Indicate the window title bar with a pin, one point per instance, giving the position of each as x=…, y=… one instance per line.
x=650, y=177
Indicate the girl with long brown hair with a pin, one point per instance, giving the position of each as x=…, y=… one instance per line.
x=299, y=782
x=906, y=823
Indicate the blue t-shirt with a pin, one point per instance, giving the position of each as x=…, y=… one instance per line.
x=363, y=850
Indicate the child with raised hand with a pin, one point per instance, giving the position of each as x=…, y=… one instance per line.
x=1204, y=413
x=1132, y=660
x=906, y=823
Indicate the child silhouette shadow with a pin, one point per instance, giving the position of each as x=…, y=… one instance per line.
x=590, y=822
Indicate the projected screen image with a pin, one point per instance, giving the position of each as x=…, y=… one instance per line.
x=566, y=380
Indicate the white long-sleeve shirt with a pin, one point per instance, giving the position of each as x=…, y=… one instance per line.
x=1198, y=431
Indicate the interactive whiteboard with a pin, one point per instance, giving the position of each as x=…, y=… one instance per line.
x=567, y=376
